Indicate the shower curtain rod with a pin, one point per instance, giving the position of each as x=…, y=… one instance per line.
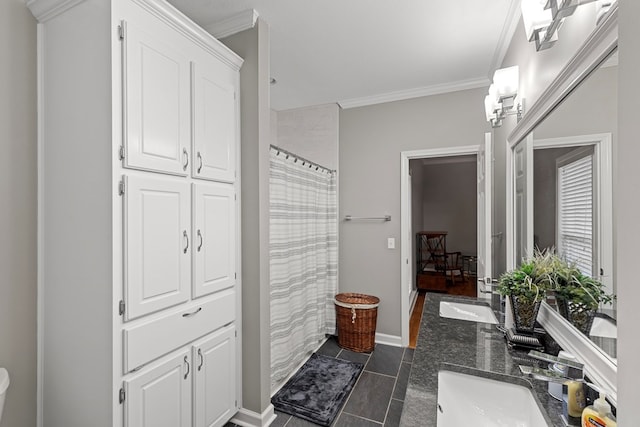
x=304, y=161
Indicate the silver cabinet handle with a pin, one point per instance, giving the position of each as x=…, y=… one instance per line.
x=193, y=313
x=201, y=240
x=186, y=361
x=201, y=359
x=186, y=159
x=186, y=237
x=200, y=160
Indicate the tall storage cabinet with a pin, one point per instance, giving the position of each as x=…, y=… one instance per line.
x=138, y=218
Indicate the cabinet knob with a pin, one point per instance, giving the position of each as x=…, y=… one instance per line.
x=186, y=362
x=185, y=154
x=201, y=240
x=201, y=359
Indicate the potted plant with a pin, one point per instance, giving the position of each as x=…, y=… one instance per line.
x=578, y=297
x=526, y=287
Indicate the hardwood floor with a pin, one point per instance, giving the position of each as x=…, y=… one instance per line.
x=414, y=322
x=467, y=287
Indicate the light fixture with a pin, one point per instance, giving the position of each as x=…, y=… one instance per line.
x=543, y=18
x=501, y=100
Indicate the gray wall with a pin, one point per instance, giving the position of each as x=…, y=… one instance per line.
x=371, y=139
x=310, y=132
x=18, y=213
x=450, y=202
x=626, y=181
x=544, y=195
x=253, y=46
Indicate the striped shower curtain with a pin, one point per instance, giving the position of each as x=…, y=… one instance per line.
x=303, y=260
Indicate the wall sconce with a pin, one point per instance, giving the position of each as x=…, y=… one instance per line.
x=543, y=18
x=501, y=100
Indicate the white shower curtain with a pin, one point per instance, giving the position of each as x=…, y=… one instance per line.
x=303, y=260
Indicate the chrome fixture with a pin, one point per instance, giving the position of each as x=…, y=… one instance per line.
x=501, y=100
x=543, y=18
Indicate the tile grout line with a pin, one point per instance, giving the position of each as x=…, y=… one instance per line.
x=352, y=389
x=395, y=383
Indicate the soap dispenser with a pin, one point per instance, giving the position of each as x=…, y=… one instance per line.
x=598, y=414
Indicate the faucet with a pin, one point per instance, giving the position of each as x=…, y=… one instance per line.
x=572, y=370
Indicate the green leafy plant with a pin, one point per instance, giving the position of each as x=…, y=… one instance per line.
x=531, y=281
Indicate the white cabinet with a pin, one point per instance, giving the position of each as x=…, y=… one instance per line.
x=157, y=241
x=142, y=238
x=195, y=386
x=214, y=379
x=214, y=231
x=215, y=123
x=160, y=396
x=156, y=92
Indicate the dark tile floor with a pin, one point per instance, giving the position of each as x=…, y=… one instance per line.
x=378, y=396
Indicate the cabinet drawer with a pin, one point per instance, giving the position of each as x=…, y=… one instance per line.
x=150, y=340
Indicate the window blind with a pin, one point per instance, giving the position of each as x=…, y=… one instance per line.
x=575, y=213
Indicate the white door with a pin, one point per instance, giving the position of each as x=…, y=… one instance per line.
x=214, y=233
x=215, y=378
x=523, y=197
x=161, y=395
x=157, y=244
x=156, y=91
x=215, y=124
x=484, y=172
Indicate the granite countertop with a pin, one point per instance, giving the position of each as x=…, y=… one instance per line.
x=461, y=345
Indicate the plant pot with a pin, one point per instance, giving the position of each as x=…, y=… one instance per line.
x=578, y=314
x=524, y=313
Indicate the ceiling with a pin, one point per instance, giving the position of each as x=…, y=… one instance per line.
x=361, y=52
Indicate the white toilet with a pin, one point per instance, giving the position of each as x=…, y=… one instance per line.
x=4, y=384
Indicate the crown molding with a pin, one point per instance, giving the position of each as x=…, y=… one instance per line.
x=44, y=10
x=508, y=31
x=414, y=93
x=234, y=24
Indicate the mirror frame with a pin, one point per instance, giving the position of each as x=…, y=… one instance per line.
x=599, y=367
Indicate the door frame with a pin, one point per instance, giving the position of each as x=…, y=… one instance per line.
x=407, y=293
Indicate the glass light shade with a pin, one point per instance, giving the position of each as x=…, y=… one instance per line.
x=489, y=108
x=506, y=81
x=535, y=16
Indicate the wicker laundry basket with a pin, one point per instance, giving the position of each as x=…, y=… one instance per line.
x=356, y=316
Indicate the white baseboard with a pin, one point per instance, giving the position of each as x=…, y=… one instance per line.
x=247, y=418
x=392, y=340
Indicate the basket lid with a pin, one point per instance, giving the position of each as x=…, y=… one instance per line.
x=357, y=299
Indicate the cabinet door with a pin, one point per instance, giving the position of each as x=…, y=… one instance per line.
x=161, y=395
x=215, y=379
x=156, y=244
x=214, y=233
x=156, y=86
x=215, y=122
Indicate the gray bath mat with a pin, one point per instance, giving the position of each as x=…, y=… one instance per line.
x=318, y=390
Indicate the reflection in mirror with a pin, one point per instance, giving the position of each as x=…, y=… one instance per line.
x=572, y=187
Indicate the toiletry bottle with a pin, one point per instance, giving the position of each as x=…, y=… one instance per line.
x=575, y=398
x=598, y=414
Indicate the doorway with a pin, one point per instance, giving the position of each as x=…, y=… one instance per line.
x=481, y=192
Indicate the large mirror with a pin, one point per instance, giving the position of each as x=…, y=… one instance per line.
x=562, y=165
x=573, y=196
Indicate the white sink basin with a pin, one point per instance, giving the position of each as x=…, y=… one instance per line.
x=469, y=400
x=603, y=328
x=471, y=312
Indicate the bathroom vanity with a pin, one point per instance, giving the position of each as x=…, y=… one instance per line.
x=469, y=348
